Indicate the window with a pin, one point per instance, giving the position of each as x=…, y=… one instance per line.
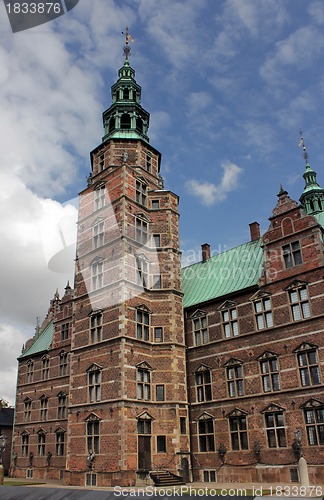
x=200, y=330
x=143, y=384
x=263, y=313
x=41, y=444
x=93, y=436
x=62, y=405
x=94, y=384
x=98, y=234
x=144, y=427
x=299, y=303
x=230, y=323
x=206, y=435
x=141, y=230
x=91, y=479
x=158, y=334
x=99, y=197
x=65, y=331
x=30, y=371
x=142, y=325
x=270, y=374
x=97, y=275
x=63, y=363
x=43, y=408
x=235, y=383
x=156, y=281
x=155, y=204
x=238, y=431
x=314, y=419
x=96, y=328
x=126, y=94
x=27, y=409
x=141, y=195
x=292, y=254
x=161, y=444
x=148, y=163
x=142, y=272
x=45, y=367
x=209, y=476
x=308, y=368
x=183, y=425
x=203, y=385
x=275, y=427
x=157, y=240
x=159, y=392
x=60, y=443
x=101, y=162
x=24, y=444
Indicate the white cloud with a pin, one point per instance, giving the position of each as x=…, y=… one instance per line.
x=316, y=11
x=210, y=193
x=298, y=50
x=11, y=340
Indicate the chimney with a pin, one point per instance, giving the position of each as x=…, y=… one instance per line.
x=205, y=252
x=254, y=231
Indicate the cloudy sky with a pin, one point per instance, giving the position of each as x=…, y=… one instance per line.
x=228, y=83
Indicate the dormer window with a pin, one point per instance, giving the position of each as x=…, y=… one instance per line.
x=292, y=254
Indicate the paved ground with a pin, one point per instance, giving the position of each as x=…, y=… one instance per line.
x=55, y=490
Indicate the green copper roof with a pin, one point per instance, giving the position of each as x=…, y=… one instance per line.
x=42, y=342
x=320, y=218
x=222, y=274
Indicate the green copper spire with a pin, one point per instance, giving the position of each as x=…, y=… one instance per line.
x=126, y=119
x=312, y=198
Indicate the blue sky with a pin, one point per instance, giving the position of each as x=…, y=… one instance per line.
x=228, y=84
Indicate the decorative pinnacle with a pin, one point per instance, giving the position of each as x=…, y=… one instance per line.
x=301, y=143
x=127, y=49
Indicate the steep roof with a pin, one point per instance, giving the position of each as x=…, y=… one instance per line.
x=42, y=342
x=225, y=273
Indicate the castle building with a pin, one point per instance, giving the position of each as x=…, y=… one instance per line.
x=145, y=372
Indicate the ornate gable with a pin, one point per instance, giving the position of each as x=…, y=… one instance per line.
x=205, y=416
x=233, y=362
x=144, y=366
x=273, y=407
x=296, y=284
x=228, y=304
x=260, y=294
x=312, y=403
x=93, y=417
x=237, y=412
x=305, y=346
x=267, y=355
x=144, y=416
x=94, y=368
x=198, y=314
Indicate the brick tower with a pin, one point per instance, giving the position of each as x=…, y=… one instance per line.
x=128, y=404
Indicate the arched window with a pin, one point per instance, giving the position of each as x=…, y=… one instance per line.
x=125, y=121
x=112, y=124
x=139, y=125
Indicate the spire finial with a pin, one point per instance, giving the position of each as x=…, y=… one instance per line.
x=128, y=37
x=301, y=143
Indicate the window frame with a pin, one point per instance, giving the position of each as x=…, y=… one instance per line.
x=60, y=443
x=203, y=383
x=161, y=446
x=270, y=374
x=309, y=372
x=314, y=425
x=276, y=432
x=292, y=254
x=98, y=234
x=263, y=315
x=235, y=383
x=141, y=193
x=41, y=444
x=143, y=384
x=200, y=330
x=206, y=435
x=230, y=324
x=141, y=231
x=238, y=435
x=62, y=402
x=160, y=392
x=96, y=327
x=94, y=385
x=63, y=364
x=44, y=408
x=301, y=307
x=99, y=197
x=143, y=325
x=93, y=436
x=97, y=275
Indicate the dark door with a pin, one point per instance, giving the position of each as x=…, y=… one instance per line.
x=144, y=452
x=185, y=470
